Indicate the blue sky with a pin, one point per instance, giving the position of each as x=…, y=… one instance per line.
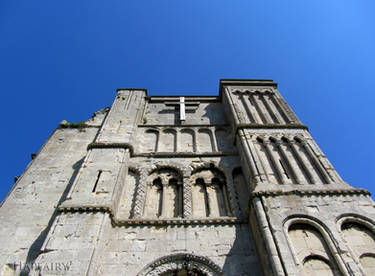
x=63, y=60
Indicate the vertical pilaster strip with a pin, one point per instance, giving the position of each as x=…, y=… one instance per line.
x=275, y=261
x=232, y=106
x=280, y=108
x=176, y=147
x=288, y=111
x=213, y=139
x=120, y=184
x=254, y=101
x=273, y=109
x=165, y=186
x=245, y=104
x=287, y=161
x=250, y=160
x=316, y=162
x=311, y=176
x=270, y=114
x=195, y=139
x=259, y=99
x=257, y=160
x=275, y=161
x=253, y=110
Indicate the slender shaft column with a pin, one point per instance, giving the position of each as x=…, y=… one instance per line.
x=280, y=108
x=195, y=147
x=273, y=253
x=176, y=138
x=275, y=162
x=247, y=109
x=253, y=110
x=180, y=199
x=303, y=164
x=270, y=112
x=226, y=200
x=264, y=111
x=257, y=107
x=163, y=199
x=316, y=162
x=213, y=140
x=249, y=157
x=287, y=161
x=232, y=107
x=273, y=108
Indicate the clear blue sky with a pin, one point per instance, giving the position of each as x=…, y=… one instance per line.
x=63, y=60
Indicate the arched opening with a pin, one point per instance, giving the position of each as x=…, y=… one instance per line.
x=209, y=191
x=164, y=197
x=182, y=264
x=311, y=250
x=361, y=241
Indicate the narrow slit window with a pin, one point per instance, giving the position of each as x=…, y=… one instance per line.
x=282, y=165
x=96, y=182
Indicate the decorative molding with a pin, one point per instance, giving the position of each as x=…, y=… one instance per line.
x=175, y=262
x=260, y=91
x=101, y=145
x=184, y=154
x=310, y=192
x=150, y=222
x=187, y=197
x=182, y=126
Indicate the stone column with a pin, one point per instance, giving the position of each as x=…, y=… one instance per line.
x=232, y=106
x=316, y=162
x=273, y=108
x=263, y=108
x=213, y=139
x=310, y=175
x=280, y=108
x=275, y=161
x=253, y=167
x=287, y=161
x=187, y=209
x=245, y=104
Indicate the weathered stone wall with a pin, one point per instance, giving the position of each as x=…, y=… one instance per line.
x=326, y=213
x=27, y=213
x=126, y=251
x=140, y=190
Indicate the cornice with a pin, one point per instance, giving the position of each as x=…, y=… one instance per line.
x=149, y=222
x=311, y=192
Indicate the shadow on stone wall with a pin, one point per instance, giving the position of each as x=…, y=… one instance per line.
x=35, y=248
x=242, y=258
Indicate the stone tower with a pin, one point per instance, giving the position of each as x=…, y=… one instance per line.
x=200, y=185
